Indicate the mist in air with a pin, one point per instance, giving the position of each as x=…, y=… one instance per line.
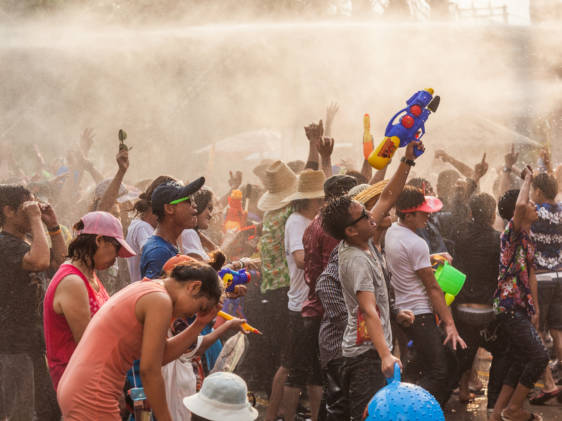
x=179, y=80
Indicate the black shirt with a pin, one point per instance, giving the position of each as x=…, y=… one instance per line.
x=477, y=254
x=21, y=294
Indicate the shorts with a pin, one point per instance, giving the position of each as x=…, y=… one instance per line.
x=301, y=353
x=550, y=300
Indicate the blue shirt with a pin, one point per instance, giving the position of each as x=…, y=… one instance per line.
x=155, y=252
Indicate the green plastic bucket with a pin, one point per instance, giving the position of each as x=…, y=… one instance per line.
x=450, y=280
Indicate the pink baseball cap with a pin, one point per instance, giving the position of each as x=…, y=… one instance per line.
x=104, y=223
x=431, y=204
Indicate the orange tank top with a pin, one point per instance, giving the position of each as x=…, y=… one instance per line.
x=93, y=381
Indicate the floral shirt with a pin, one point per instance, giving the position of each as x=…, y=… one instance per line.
x=274, y=269
x=516, y=260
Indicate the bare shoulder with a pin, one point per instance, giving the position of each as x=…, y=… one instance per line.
x=157, y=302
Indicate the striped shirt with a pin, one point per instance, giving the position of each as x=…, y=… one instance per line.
x=334, y=319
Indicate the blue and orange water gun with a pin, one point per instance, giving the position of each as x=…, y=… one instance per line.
x=232, y=278
x=410, y=127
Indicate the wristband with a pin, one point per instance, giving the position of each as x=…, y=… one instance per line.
x=53, y=233
x=409, y=162
x=54, y=229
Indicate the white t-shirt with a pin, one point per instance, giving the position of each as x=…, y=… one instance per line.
x=405, y=253
x=138, y=233
x=191, y=244
x=294, y=230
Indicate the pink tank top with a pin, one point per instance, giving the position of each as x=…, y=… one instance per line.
x=93, y=381
x=58, y=336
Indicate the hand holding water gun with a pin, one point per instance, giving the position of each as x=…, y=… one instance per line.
x=245, y=326
x=232, y=278
x=409, y=128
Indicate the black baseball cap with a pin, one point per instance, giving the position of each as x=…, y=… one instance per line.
x=173, y=192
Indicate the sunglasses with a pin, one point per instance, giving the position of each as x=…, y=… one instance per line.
x=364, y=214
x=182, y=199
x=114, y=243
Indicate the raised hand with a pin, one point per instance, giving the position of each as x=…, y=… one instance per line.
x=440, y=154
x=314, y=132
x=31, y=209
x=87, y=140
x=325, y=147
x=235, y=180
x=122, y=159
x=331, y=112
x=48, y=215
x=511, y=157
x=410, y=149
x=481, y=168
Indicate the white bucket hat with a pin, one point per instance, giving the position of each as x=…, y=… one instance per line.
x=223, y=397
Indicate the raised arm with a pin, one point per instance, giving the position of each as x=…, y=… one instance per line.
x=510, y=160
x=325, y=148
x=522, y=200
x=314, y=133
x=390, y=193
x=59, y=250
x=460, y=166
x=38, y=258
x=110, y=195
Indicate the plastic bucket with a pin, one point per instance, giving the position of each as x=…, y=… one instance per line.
x=450, y=280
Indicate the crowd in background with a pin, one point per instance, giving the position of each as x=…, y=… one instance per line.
x=108, y=285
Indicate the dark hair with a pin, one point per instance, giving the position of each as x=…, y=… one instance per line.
x=335, y=216
x=360, y=178
x=338, y=185
x=421, y=183
x=195, y=417
x=547, y=184
x=446, y=183
x=12, y=195
x=144, y=203
x=483, y=208
x=410, y=197
x=201, y=271
x=506, y=204
x=84, y=246
x=202, y=197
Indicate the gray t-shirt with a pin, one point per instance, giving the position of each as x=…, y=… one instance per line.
x=362, y=271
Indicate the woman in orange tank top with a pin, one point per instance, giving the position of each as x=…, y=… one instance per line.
x=135, y=321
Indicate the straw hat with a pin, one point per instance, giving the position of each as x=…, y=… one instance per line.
x=368, y=193
x=311, y=186
x=280, y=182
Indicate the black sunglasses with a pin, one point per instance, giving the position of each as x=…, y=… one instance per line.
x=364, y=214
x=114, y=243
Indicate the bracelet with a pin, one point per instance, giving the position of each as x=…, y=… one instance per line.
x=409, y=162
x=53, y=233
x=54, y=229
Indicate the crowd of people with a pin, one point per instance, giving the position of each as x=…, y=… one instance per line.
x=108, y=292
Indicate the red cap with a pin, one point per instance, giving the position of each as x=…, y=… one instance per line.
x=104, y=223
x=431, y=204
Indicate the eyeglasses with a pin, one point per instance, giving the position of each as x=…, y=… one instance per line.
x=364, y=214
x=182, y=199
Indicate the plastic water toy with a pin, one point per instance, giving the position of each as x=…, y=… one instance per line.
x=450, y=279
x=410, y=127
x=403, y=402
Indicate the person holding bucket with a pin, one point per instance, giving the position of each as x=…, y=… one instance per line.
x=417, y=290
